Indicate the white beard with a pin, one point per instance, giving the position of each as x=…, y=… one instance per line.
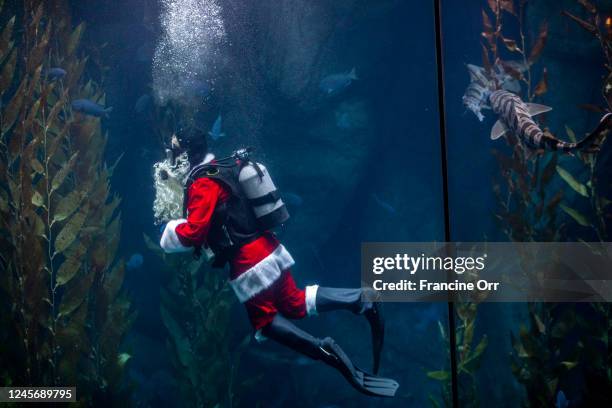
x=168, y=203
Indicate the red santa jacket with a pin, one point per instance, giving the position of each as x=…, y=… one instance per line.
x=256, y=265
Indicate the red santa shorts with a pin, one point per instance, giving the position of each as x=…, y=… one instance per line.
x=283, y=297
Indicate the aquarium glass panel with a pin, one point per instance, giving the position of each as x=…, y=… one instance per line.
x=194, y=195
x=526, y=92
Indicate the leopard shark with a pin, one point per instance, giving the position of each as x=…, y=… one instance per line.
x=516, y=116
x=495, y=91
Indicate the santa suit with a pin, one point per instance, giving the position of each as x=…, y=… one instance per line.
x=260, y=272
x=261, y=278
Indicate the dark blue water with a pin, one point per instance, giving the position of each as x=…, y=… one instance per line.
x=365, y=165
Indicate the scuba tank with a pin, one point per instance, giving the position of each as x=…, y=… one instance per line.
x=255, y=184
x=258, y=187
x=254, y=208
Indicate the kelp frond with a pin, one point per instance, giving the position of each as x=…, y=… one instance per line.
x=60, y=222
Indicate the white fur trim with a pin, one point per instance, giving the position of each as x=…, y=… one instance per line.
x=262, y=275
x=311, y=300
x=169, y=241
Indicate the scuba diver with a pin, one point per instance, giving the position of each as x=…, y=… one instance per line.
x=230, y=206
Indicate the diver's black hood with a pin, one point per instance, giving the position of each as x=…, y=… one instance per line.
x=193, y=142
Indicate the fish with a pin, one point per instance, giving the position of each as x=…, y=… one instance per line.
x=384, y=205
x=293, y=199
x=501, y=72
x=562, y=401
x=215, y=132
x=91, y=108
x=477, y=92
x=482, y=84
x=334, y=83
x=135, y=262
x=143, y=103
x=54, y=74
x=474, y=99
x=516, y=116
x=343, y=120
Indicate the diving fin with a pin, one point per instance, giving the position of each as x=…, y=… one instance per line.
x=378, y=386
x=376, y=319
x=360, y=380
x=285, y=332
x=536, y=108
x=499, y=129
x=359, y=301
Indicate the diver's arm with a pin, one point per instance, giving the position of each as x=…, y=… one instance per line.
x=169, y=241
x=181, y=235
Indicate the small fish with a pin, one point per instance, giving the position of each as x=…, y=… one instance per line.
x=351, y=115
x=343, y=120
x=336, y=82
x=516, y=117
x=215, y=132
x=562, y=401
x=135, y=262
x=143, y=103
x=293, y=199
x=477, y=92
x=384, y=205
x=475, y=97
x=91, y=108
x=54, y=74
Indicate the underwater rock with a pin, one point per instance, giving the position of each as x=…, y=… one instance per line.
x=293, y=36
x=143, y=103
x=351, y=115
x=326, y=164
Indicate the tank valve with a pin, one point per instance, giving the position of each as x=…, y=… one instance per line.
x=243, y=154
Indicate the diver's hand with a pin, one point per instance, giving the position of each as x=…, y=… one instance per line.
x=170, y=242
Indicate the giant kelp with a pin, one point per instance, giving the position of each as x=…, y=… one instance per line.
x=562, y=344
x=63, y=311
x=469, y=354
x=196, y=307
x=196, y=302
